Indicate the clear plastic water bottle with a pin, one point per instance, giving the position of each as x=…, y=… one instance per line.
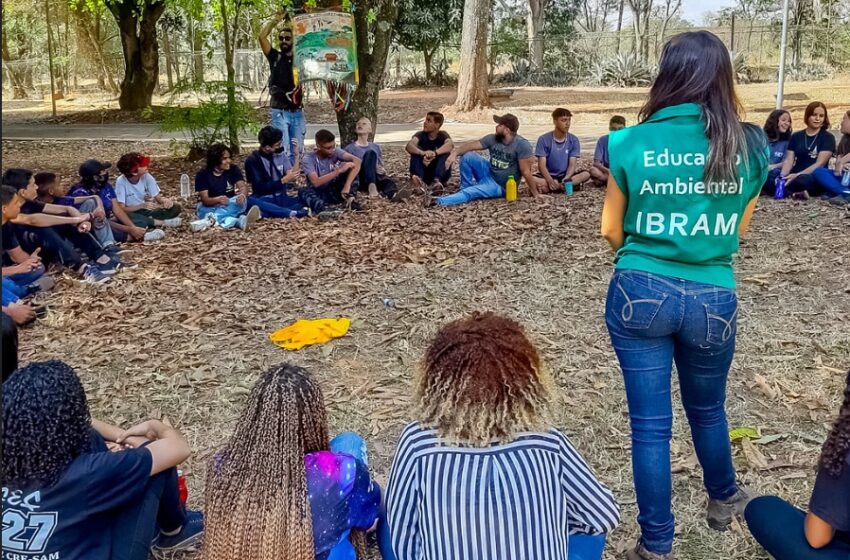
x=780, y=188
x=845, y=179
x=185, y=188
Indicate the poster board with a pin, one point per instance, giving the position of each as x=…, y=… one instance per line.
x=325, y=48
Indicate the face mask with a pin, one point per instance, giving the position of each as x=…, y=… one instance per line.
x=102, y=179
x=279, y=150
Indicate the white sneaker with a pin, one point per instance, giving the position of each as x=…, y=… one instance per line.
x=154, y=235
x=211, y=219
x=172, y=222
x=242, y=223
x=254, y=214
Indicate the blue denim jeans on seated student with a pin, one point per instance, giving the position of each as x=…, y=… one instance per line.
x=829, y=181
x=12, y=292
x=227, y=216
x=24, y=279
x=278, y=205
x=476, y=182
x=654, y=320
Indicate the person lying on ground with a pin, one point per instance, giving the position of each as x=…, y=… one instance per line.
x=429, y=149
x=94, y=180
x=332, y=172
x=373, y=176
x=777, y=128
x=510, y=156
x=808, y=150
x=599, y=171
x=831, y=180
x=222, y=193
x=79, y=489
x=10, y=346
x=822, y=532
x=271, y=174
x=139, y=195
x=557, y=154
x=281, y=469
x=484, y=403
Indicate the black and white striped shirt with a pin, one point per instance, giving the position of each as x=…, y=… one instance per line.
x=517, y=501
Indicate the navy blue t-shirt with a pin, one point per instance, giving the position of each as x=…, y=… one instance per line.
x=807, y=148
x=10, y=237
x=831, y=499
x=72, y=520
x=219, y=185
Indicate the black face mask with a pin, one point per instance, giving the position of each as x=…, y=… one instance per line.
x=279, y=150
x=101, y=180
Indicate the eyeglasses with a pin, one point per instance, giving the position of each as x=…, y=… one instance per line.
x=285, y=38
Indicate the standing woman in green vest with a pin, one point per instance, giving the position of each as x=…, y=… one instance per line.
x=683, y=186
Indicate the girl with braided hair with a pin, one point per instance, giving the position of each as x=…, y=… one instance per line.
x=823, y=533
x=483, y=473
x=279, y=489
x=65, y=495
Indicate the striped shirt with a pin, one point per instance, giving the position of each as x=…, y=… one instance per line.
x=519, y=500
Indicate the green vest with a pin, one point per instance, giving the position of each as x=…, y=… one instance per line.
x=675, y=224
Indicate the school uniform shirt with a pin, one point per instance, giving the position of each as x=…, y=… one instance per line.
x=133, y=194
x=359, y=151
x=426, y=143
x=831, y=499
x=777, y=150
x=264, y=172
x=312, y=163
x=600, y=154
x=514, y=500
x=558, y=153
x=675, y=224
x=504, y=158
x=72, y=520
x=806, y=148
x=218, y=185
x=105, y=192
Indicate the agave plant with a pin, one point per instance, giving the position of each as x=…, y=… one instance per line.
x=807, y=72
x=740, y=67
x=624, y=70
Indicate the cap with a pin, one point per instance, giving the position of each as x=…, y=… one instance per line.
x=508, y=120
x=92, y=167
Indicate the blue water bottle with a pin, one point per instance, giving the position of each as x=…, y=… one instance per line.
x=780, y=188
x=845, y=179
x=568, y=188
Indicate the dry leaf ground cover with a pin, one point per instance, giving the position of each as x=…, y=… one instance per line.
x=184, y=335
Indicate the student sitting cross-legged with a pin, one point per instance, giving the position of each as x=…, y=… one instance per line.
x=281, y=487
x=78, y=489
x=483, y=473
x=271, y=174
x=139, y=195
x=373, y=177
x=598, y=173
x=557, y=154
x=429, y=149
x=222, y=193
x=331, y=172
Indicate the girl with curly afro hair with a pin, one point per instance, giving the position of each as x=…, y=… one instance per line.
x=66, y=495
x=483, y=472
x=279, y=489
x=822, y=533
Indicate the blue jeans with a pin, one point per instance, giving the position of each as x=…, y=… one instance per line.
x=779, y=528
x=586, y=547
x=475, y=182
x=294, y=126
x=100, y=230
x=829, y=181
x=24, y=279
x=227, y=216
x=12, y=292
x=654, y=320
x=278, y=206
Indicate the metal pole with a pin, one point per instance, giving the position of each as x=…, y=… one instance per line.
x=780, y=88
x=50, y=55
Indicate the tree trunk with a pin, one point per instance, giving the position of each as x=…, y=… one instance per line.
x=18, y=90
x=429, y=55
x=472, y=87
x=620, y=24
x=372, y=63
x=534, y=20
x=93, y=38
x=232, y=129
x=141, y=52
x=197, y=42
x=166, y=42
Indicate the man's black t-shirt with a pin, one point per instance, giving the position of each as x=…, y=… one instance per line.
x=10, y=238
x=283, y=92
x=425, y=142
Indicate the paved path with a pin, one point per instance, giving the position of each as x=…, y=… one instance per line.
x=391, y=134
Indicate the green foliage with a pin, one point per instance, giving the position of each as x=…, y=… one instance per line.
x=510, y=39
x=207, y=122
x=624, y=70
x=426, y=25
x=807, y=72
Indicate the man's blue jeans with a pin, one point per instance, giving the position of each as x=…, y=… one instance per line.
x=12, y=292
x=654, y=320
x=779, y=528
x=475, y=182
x=294, y=126
x=278, y=205
x=24, y=279
x=227, y=216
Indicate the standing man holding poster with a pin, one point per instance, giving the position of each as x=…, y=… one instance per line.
x=286, y=97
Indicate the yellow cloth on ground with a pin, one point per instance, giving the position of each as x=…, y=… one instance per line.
x=305, y=332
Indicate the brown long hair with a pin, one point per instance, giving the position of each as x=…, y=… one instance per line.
x=833, y=457
x=481, y=381
x=256, y=491
x=695, y=67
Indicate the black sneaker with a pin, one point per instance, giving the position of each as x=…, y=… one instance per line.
x=189, y=537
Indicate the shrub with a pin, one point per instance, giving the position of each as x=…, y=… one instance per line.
x=624, y=70
x=807, y=72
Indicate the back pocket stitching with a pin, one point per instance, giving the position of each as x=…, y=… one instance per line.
x=630, y=305
x=728, y=328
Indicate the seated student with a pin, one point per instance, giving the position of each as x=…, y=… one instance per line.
x=139, y=195
x=510, y=156
x=65, y=495
x=483, y=404
x=271, y=174
x=13, y=293
x=830, y=181
x=222, y=193
x=808, y=149
x=429, y=149
x=373, y=177
x=39, y=229
x=822, y=533
x=279, y=488
x=94, y=180
x=10, y=346
x=777, y=128
x=50, y=191
x=598, y=173
x=332, y=172
x=557, y=154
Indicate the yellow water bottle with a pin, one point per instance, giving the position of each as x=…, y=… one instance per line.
x=510, y=189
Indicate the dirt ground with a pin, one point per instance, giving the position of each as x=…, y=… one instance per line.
x=185, y=335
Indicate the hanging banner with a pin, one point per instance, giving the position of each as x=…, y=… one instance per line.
x=325, y=48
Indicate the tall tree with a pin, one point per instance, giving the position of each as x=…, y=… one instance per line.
x=473, y=87
x=535, y=19
x=425, y=26
x=641, y=15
